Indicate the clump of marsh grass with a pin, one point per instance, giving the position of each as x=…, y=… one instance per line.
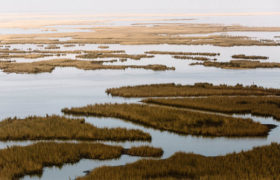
x=18, y=161
x=175, y=120
x=62, y=128
x=198, y=89
x=264, y=106
x=259, y=163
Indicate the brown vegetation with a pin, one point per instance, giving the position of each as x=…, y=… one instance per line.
x=182, y=53
x=175, y=120
x=25, y=56
x=50, y=65
x=62, y=128
x=145, y=151
x=259, y=163
x=243, y=56
x=108, y=55
x=52, y=46
x=199, y=58
x=239, y=64
x=103, y=47
x=198, y=89
x=264, y=106
x=134, y=35
x=17, y=161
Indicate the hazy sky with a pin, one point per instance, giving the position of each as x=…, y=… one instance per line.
x=139, y=6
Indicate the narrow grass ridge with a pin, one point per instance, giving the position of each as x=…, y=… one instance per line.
x=175, y=120
x=239, y=64
x=198, y=89
x=243, y=56
x=50, y=65
x=263, y=106
x=62, y=128
x=183, y=53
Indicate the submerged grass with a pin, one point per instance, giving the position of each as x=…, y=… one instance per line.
x=175, y=120
x=17, y=161
x=62, y=128
x=50, y=65
x=198, y=89
x=259, y=163
x=264, y=106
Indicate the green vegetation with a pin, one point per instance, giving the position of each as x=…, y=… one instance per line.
x=175, y=120
x=50, y=65
x=264, y=106
x=145, y=151
x=259, y=163
x=243, y=56
x=198, y=89
x=62, y=128
x=183, y=53
x=239, y=64
x=194, y=58
x=17, y=161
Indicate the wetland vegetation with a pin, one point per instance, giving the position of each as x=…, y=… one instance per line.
x=243, y=56
x=62, y=128
x=259, y=163
x=175, y=120
x=198, y=89
x=17, y=161
x=50, y=65
x=239, y=64
x=262, y=106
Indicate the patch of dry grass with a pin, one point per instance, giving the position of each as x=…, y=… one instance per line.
x=62, y=128
x=17, y=161
x=264, y=106
x=183, y=53
x=108, y=55
x=243, y=56
x=175, y=120
x=198, y=89
x=259, y=163
x=50, y=65
x=239, y=64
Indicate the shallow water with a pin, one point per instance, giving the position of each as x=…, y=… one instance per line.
x=47, y=93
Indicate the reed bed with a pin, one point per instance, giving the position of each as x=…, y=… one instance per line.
x=18, y=161
x=194, y=58
x=25, y=56
x=183, y=53
x=259, y=163
x=198, y=89
x=263, y=106
x=62, y=128
x=239, y=64
x=103, y=47
x=175, y=120
x=108, y=55
x=144, y=151
x=52, y=46
x=243, y=56
x=50, y=65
